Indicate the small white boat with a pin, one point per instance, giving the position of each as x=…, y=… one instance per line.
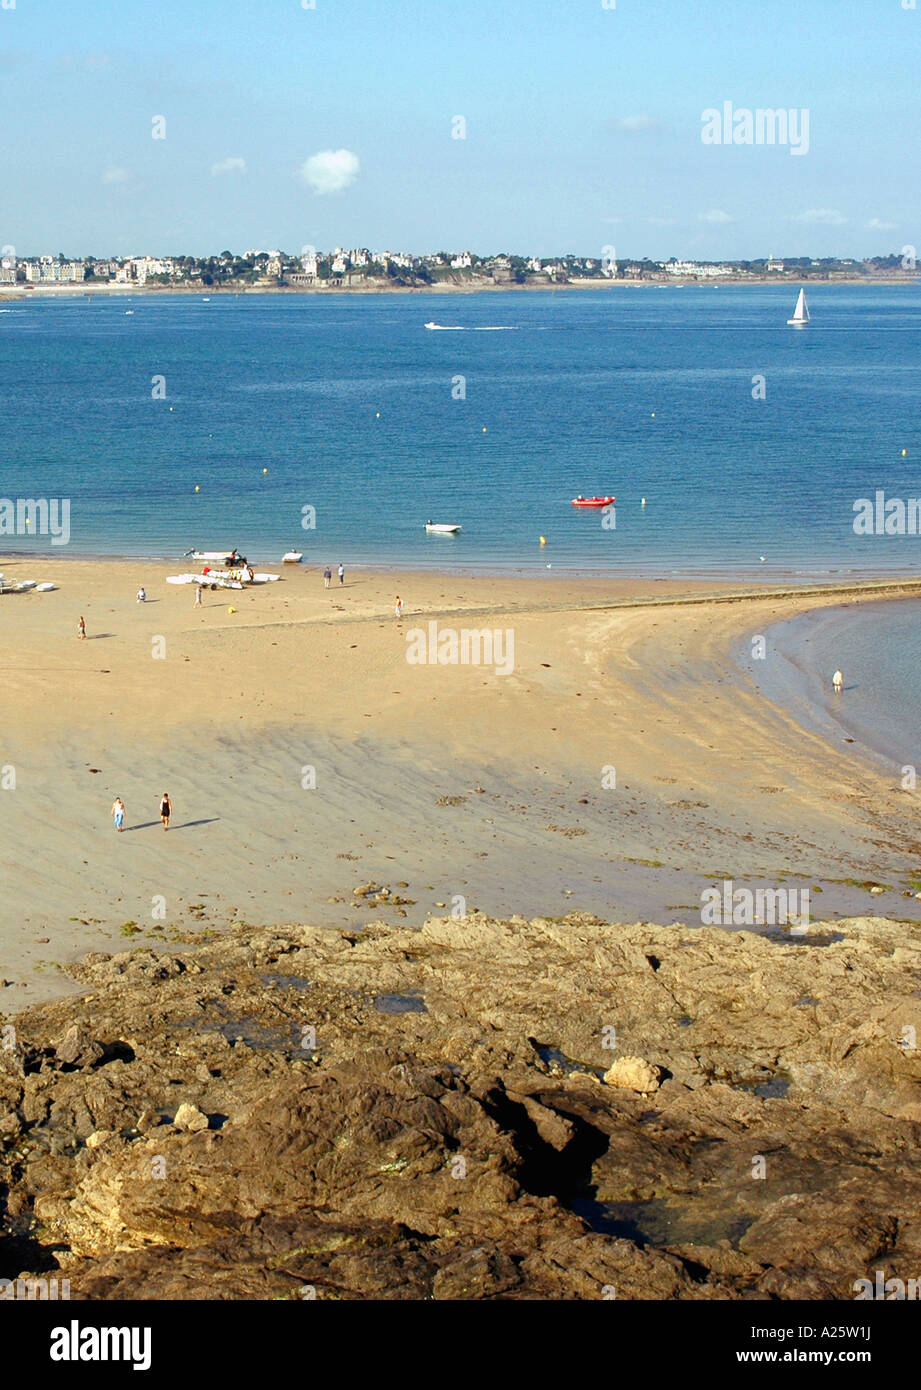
x=45, y=588
x=442, y=528
x=260, y=578
x=800, y=313
x=220, y=581
x=292, y=557
x=211, y=554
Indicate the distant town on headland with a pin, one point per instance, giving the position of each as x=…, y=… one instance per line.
x=361, y=269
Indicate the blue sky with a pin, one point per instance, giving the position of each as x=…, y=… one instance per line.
x=583, y=126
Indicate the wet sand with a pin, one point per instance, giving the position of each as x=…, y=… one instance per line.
x=623, y=764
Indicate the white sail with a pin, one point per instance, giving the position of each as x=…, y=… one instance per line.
x=801, y=312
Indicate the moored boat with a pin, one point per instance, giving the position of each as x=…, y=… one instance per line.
x=439, y=528
x=581, y=501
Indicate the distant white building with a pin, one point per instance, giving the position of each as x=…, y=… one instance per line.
x=309, y=265
x=773, y=265
x=340, y=263
x=697, y=268
x=462, y=262
x=535, y=265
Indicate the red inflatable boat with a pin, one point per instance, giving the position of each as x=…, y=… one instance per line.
x=593, y=501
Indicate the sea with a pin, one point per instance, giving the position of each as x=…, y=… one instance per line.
x=736, y=446
x=339, y=425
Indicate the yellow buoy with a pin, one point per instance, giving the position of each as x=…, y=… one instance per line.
x=231, y=610
x=484, y=429
x=543, y=540
x=265, y=470
x=904, y=453
x=653, y=416
x=378, y=415
x=198, y=489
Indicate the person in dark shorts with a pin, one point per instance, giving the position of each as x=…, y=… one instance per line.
x=166, y=810
x=327, y=576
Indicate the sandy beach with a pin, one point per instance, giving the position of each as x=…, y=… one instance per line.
x=619, y=766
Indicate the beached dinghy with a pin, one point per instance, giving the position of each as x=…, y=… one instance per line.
x=215, y=581
x=292, y=557
x=439, y=528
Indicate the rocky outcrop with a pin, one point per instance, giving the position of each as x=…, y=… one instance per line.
x=478, y=1109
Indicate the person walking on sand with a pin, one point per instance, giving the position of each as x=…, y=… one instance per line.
x=327, y=576
x=118, y=813
x=341, y=574
x=81, y=628
x=142, y=595
x=837, y=681
x=398, y=607
x=166, y=810
x=198, y=596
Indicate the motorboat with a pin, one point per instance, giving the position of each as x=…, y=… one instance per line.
x=440, y=528
x=581, y=501
x=292, y=557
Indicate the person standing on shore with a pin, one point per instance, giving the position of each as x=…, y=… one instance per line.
x=341, y=574
x=81, y=628
x=398, y=607
x=142, y=595
x=327, y=576
x=118, y=813
x=198, y=596
x=837, y=681
x=166, y=810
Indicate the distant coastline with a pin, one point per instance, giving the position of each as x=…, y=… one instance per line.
x=87, y=290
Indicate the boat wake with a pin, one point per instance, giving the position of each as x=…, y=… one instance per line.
x=463, y=328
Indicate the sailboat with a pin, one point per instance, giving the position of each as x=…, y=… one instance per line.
x=800, y=313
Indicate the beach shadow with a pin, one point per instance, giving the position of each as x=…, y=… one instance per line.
x=209, y=820
x=145, y=826
x=98, y=636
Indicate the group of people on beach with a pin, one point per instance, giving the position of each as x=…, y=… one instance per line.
x=328, y=575
x=118, y=812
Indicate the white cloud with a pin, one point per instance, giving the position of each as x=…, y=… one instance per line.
x=637, y=125
x=876, y=225
x=826, y=217
x=330, y=171
x=228, y=166
x=113, y=175
x=716, y=216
